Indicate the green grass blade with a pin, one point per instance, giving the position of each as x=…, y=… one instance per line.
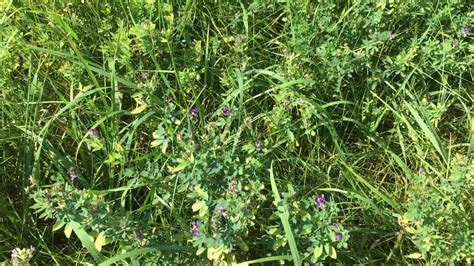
x=383, y=196
x=429, y=130
x=87, y=242
x=266, y=259
x=285, y=217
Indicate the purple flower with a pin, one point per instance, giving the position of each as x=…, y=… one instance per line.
x=421, y=171
x=320, y=201
x=312, y=264
x=72, y=173
x=194, y=111
x=338, y=237
x=455, y=44
x=194, y=227
x=226, y=111
x=140, y=236
x=169, y=99
x=466, y=31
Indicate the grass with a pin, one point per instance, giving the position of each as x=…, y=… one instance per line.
x=368, y=103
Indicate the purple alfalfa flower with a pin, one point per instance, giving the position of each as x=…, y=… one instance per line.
x=466, y=31
x=169, y=99
x=196, y=232
x=338, y=237
x=320, y=201
x=195, y=228
x=455, y=43
x=227, y=111
x=194, y=111
x=72, y=173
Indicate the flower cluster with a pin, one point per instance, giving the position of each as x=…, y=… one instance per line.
x=227, y=111
x=21, y=256
x=320, y=201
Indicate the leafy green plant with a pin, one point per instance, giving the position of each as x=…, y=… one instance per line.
x=437, y=216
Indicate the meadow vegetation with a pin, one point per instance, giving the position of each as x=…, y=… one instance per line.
x=236, y=132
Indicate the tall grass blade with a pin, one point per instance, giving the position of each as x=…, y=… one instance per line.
x=284, y=217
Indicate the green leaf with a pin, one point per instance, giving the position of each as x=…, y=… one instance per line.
x=415, y=256
x=332, y=252
x=165, y=146
x=200, y=251
x=198, y=205
x=201, y=193
x=68, y=230
x=318, y=251
x=155, y=143
x=243, y=245
x=100, y=241
x=182, y=164
x=139, y=109
x=58, y=225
